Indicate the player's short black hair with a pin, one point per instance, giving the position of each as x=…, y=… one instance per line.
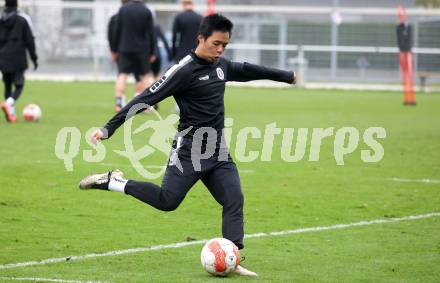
x=215, y=22
x=11, y=3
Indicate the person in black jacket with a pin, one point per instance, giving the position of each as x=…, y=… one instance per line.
x=185, y=30
x=197, y=83
x=15, y=38
x=133, y=44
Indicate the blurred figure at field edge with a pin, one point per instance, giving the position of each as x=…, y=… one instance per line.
x=133, y=45
x=185, y=30
x=404, y=42
x=15, y=38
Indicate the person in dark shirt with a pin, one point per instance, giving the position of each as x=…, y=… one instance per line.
x=134, y=44
x=185, y=30
x=404, y=42
x=197, y=83
x=15, y=38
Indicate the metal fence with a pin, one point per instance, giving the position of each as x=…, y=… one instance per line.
x=327, y=44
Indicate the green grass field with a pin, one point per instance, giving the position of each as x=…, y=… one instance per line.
x=44, y=215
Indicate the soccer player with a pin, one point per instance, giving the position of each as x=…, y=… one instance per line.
x=197, y=83
x=15, y=38
x=134, y=44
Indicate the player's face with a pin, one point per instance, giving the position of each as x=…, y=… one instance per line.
x=212, y=47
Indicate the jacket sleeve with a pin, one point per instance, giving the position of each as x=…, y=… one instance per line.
x=111, y=33
x=243, y=72
x=151, y=33
x=30, y=42
x=117, y=30
x=176, y=34
x=175, y=80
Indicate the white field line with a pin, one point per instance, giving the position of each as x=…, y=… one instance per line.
x=184, y=244
x=46, y=280
x=426, y=181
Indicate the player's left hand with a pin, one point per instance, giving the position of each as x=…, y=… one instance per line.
x=97, y=135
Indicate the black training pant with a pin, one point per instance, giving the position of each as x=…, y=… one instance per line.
x=220, y=177
x=16, y=79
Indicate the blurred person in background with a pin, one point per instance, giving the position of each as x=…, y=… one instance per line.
x=15, y=38
x=404, y=42
x=134, y=45
x=111, y=33
x=185, y=30
x=161, y=44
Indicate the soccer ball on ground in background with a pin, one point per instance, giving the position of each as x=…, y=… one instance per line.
x=220, y=256
x=32, y=112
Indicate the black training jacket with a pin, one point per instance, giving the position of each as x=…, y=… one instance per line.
x=15, y=38
x=404, y=37
x=185, y=30
x=198, y=88
x=134, y=31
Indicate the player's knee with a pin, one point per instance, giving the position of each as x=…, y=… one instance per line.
x=171, y=203
x=170, y=206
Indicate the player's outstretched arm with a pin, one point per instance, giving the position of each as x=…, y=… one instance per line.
x=173, y=81
x=243, y=72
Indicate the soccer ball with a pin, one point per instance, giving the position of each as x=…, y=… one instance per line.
x=220, y=257
x=32, y=112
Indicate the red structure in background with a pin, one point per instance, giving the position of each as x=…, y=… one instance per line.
x=404, y=40
x=211, y=7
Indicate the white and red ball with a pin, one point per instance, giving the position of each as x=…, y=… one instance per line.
x=220, y=256
x=32, y=112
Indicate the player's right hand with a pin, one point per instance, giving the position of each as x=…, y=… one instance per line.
x=114, y=56
x=97, y=135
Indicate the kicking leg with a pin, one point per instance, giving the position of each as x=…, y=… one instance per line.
x=166, y=198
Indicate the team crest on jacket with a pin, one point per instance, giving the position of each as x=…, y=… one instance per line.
x=220, y=73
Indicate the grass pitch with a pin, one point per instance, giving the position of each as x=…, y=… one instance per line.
x=44, y=215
